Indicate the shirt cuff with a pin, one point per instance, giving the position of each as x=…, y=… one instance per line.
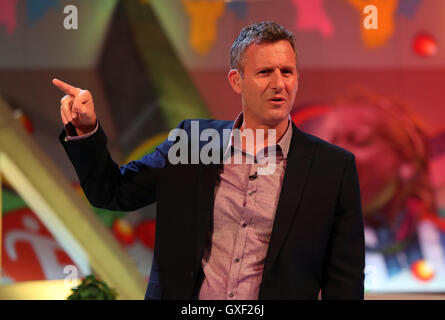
x=84, y=136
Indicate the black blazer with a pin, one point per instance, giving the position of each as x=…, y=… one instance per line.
x=317, y=240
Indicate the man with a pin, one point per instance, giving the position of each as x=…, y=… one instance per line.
x=223, y=230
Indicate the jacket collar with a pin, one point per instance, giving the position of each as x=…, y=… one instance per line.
x=283, y=143
x=301, y=153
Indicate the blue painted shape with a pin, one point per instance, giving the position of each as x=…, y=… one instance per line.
x=239, y=8
x=408, y=8
x=35, y=9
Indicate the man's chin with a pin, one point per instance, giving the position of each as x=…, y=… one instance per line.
x=275, y=117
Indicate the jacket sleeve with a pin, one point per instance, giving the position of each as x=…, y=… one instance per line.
x=107, y=186
x=343, y=269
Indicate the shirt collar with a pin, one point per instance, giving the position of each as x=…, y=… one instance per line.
x=283, y=143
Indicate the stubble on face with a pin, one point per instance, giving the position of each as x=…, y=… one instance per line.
x=269, y=84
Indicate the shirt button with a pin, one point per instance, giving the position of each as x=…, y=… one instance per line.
x=237, y=260
x=230, y=294
x=244, y=225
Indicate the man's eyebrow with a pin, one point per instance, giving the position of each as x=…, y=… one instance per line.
x=287, y=67
x=264, y=68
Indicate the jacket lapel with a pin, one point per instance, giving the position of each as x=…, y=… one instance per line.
x=297, y=170
x=207, y=178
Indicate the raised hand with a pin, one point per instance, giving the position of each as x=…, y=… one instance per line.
x=77, y=107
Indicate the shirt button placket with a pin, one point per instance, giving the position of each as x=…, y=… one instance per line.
x=252, y=184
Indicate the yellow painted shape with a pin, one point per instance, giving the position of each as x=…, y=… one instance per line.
x=38, y=180
x=37, y=290
x=141, y=150
x=204, y=15
x=375, y=38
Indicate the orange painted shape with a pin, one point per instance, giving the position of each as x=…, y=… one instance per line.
x=204, y=15
x=422, y=270
x=123, y=231
x=375, y=38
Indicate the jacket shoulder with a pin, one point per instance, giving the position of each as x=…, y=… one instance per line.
x=207, y=124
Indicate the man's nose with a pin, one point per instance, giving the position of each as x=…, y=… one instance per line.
x=277, y=82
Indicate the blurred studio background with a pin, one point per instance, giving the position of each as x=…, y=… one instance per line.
x=151, y=63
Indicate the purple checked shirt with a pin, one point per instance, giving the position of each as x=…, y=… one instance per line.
x=244, y=212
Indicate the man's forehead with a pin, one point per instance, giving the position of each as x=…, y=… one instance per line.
x=268, y=53
x=282, y=45
x=275, y=65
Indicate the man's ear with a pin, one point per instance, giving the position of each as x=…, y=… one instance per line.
x=234, y=78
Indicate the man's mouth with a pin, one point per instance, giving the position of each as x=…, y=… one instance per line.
x=277, y=100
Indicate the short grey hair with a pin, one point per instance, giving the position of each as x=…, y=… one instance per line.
x=257, y=33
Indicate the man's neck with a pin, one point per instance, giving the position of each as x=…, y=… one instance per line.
x=280, y=128
x=262, y=142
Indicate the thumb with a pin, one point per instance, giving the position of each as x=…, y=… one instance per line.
x=84, y=96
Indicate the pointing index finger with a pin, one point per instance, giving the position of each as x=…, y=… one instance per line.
x=65, y=87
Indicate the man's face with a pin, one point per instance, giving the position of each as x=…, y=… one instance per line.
x=269, y=83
